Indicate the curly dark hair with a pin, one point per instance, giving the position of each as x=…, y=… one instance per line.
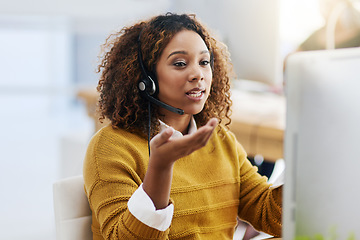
x=120, y=101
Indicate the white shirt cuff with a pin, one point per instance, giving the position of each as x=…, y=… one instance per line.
x=141, y=206
x=277, y=177
x=279, y=181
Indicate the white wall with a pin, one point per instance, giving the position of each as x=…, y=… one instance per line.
x=90, y=22
x=47, y=50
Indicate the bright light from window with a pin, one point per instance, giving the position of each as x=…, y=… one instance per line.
x=297, y=21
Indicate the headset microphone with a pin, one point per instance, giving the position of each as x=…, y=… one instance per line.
x=162, y=104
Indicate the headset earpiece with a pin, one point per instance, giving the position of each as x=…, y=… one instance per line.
x=148, y=85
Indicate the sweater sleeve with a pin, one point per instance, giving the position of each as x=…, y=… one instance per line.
x=260, y=204
x=113, y=169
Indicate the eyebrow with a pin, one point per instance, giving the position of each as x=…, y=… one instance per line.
x=184, y=52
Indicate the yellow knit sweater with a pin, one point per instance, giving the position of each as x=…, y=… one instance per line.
x=210, y=188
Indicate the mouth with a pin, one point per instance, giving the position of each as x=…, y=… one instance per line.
x=195, y=93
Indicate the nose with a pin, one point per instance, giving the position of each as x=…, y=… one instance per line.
x=196, y=73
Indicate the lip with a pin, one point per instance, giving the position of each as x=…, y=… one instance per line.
x=196, y=94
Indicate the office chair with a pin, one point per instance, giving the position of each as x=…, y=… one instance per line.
x=72, y=211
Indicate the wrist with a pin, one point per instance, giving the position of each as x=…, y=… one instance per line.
x=157, y=184
x=160, y=165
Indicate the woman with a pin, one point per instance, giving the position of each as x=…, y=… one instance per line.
x=194, y=180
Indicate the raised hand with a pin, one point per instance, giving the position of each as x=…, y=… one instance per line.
x=164, y=151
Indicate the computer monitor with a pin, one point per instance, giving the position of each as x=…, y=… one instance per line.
x=322, y=145
x=250, y=29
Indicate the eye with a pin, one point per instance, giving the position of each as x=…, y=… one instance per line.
x=205, y=62
x=180, y=64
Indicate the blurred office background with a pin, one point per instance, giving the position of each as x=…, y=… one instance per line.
x=48, y=52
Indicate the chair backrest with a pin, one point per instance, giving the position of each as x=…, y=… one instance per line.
x=72, y=211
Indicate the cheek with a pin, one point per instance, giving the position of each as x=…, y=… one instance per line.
x=170, y=84
x=169, y=88
x=164, y=81
x=171, y=79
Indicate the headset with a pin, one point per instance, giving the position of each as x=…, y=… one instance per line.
x=148, y=85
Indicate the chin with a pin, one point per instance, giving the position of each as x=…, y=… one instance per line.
x=194, y=111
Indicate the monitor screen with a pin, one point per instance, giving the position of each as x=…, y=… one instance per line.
x=321, y=151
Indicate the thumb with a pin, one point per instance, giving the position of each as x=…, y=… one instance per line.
x=162, y=137
x=213, y=122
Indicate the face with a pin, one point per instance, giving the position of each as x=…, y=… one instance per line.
x=184, y=73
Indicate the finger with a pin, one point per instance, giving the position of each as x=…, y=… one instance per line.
x=203, y=141
x=202, y=135
x=162, y=137
x=211, y=125
x=208, y=129
x=213, y=122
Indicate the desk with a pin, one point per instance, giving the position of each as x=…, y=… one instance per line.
x=258, y=120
